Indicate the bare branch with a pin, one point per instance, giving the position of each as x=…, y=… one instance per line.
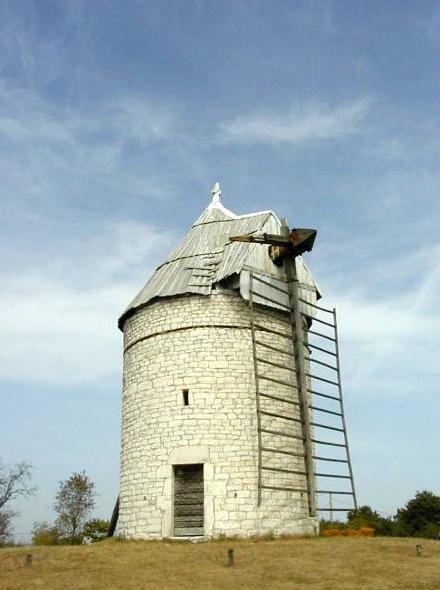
x=15, y=482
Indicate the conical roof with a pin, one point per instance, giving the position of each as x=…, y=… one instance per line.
x=205, y=256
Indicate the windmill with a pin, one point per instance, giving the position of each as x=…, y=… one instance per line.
x=218, y=427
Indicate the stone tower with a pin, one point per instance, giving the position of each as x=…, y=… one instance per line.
x=191, y=435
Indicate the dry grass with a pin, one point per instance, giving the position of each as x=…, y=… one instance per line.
x=322, y=563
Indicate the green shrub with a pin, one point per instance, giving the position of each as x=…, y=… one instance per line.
x=44, y=534
x=95, y=529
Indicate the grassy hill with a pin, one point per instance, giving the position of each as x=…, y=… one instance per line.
x=321, y=563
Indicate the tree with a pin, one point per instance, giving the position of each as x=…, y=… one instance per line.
x=45, y=534
x=420, y=517
x=74, y=502
x=14, y=483
x=6, y=526
x=95, y=530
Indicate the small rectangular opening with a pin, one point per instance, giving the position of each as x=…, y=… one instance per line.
x=185, y=394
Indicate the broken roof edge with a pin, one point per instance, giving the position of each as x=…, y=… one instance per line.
x=217, y=205
x=234, y=216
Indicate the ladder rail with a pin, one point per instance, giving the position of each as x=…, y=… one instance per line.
x=257, y=388
x=347, y=448
x=271, y=285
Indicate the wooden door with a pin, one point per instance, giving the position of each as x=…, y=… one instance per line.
x=188, y=500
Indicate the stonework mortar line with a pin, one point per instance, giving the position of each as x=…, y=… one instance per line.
x=228, y=326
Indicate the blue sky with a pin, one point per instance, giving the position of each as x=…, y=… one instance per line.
x=115, y=120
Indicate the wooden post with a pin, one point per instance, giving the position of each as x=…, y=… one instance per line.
x=230, y=557
x=298, y=342
x=114, y=519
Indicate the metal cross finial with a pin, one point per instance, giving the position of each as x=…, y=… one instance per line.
x=216, y=192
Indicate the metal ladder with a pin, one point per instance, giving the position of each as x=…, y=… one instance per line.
x=324, y=384
x=287, y=447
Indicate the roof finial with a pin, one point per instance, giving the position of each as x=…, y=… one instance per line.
x=216, y=192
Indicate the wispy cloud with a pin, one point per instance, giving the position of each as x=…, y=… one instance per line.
x=59, y=321
x=389, y=340
x=25, y=117
x=44, y=147
x=303, y=122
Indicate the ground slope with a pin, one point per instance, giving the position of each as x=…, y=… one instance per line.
x=322, y=563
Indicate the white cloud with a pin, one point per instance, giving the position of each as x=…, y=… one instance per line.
x=26, y=117
x=52, y=153
x=301, y=123
x=69, y=270
x=390, y=340
x=59, y=321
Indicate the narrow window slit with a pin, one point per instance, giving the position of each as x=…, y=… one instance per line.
x=185, y=394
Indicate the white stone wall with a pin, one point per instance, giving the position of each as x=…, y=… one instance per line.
x=202, y=344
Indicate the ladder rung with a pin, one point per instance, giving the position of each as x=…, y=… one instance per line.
x=278, y=365
x=279, y=433
x=322, y=379
x=273, y=348
x=334, y=492
x=284, y=470
x=335, y=509
x=317, y=409
x=329, y=459
x=321, y=335
x=280, y=452
x=279, y=399
x=257, y=278
x=264, y=413
x=266, y=298
x=265, y=311
x=324, y=442
x=312, y=360
x=319, y=348
x=325, y=426
x=323, y=322
x=332, y=475
x=280, y=381
x=302, y=490
x=315, y=306
x=271, y=331
x=337, y=399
